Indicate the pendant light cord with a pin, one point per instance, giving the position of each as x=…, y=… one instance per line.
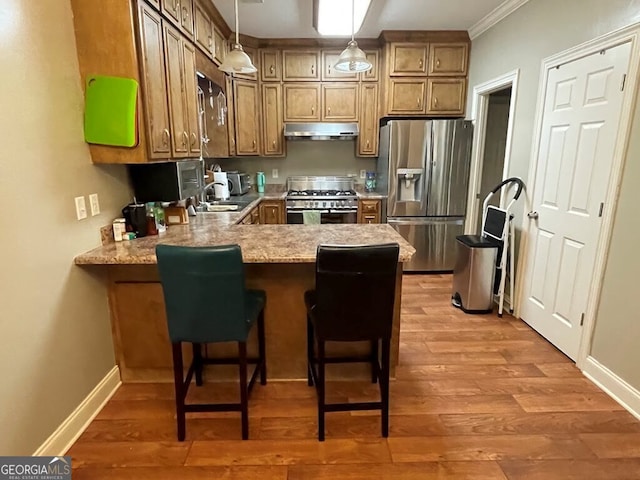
x=237, y=35
x=353, y=18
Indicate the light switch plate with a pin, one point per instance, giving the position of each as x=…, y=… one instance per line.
x=94, y=204
x=274, y=173
x=81, y=208
x=363, y=174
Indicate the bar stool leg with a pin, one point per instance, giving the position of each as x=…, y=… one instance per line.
x=242, y=354
x=178, y=379
x=320, y=388
x=309, y=352
x=197, y=360
x=374, y=361
x=262, y=351
x=384, y=385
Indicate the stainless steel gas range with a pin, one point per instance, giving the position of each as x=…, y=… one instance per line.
x=333, y=197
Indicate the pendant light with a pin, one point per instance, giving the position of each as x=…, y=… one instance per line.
x=237, y=61
x=352, y=58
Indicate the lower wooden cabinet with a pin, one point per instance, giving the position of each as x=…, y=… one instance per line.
x=251, y=218
x=446, y=96
x=272, y=212
x=369, y=211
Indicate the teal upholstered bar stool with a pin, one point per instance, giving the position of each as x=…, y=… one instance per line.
x=207, y=302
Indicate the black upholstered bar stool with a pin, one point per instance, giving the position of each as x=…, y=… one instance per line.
x=207, y=302
x=353, y=301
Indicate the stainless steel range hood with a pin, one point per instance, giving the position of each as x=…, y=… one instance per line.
x=320, y=131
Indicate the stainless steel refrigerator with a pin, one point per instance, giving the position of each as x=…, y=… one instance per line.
x=423, y=168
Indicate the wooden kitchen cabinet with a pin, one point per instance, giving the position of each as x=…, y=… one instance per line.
x=329, y=73
x=369, y=126
x=369, y=211
x=253, y=55
x=175, y=85
x=272, y=212
x=301, y=102
x=180, y=14
x=272, y=124
x=154, y=83
x=300, y=65
x=406, y=96
x=251, y=218
x=408, y=59
x=372, y=75
x=446, y=96
x=190, y=95
x=448, y=59
x=271, y=66
x=340, y=102
x=247, y=117
x=219, y=46
x=154, y=3
x=171, y=10
x=203, y=30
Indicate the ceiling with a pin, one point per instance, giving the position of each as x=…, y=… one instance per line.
x=294, y=18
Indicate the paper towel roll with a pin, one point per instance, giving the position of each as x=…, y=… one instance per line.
x=221, y=192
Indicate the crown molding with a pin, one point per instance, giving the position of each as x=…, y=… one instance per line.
x=501, y=12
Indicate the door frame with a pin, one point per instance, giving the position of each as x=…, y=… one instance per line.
x=479, y=113
x=626, y=34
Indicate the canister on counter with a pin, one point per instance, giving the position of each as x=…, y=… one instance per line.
x=119, y=228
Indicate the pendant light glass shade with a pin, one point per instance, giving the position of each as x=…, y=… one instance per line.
x=352, y=58
x=237, y=61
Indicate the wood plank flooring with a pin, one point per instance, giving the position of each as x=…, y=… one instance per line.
x=476, y=397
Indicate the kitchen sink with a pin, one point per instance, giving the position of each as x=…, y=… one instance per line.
x=230, y=205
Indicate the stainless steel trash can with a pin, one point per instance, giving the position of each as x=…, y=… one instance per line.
x=474, y=273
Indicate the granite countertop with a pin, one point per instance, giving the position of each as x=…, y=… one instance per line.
x=371, y=196
x=259, y=243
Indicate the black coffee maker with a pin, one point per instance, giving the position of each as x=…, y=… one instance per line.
x=135, y=215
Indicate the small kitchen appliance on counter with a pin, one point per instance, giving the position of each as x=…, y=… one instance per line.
x=167, y=181
x=239, y=183
x=135, y=216
x=333, y=198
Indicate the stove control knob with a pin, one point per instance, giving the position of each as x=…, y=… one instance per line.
x=315, y=204
x=324, y=204
x=333, y=204
x=343, y=203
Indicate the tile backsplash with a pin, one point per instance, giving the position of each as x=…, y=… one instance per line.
x=305, y=157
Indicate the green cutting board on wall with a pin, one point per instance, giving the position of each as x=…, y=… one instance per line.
x=110, y=111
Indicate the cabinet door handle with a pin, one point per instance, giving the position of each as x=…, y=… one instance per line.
x=420, y=63
x=254, y=144
x=313, y=110
x=367, y=143
x=328, y=110
x=313, y=69
x=274, y=144
x=272, y=69
x=166, y=136
x=437, y=62
x=194, y=139
x=329, y=67
x=418, y=102
x=435, y=101
x=210, y=41
x=185, y=139
x=176, y=7
x=185, y=14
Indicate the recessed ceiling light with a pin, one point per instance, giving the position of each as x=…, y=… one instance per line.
x=334, y=17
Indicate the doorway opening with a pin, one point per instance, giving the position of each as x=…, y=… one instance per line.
x=493, y=112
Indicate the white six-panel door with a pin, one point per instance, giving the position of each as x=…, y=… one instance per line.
x=580, y=122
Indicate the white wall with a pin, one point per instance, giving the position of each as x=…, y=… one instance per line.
x=55, y=340
x=535, y=31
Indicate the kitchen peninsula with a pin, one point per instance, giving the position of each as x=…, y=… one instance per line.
x=279, y=259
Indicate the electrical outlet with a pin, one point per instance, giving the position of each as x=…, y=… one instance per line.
x=81, y=208
x=274, y=173
x=94, y=203
x=363, y=174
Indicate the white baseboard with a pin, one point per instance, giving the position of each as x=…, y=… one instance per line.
x=614, y=386
x=68, y=432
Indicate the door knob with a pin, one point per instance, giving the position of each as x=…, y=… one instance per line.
x=533, y=215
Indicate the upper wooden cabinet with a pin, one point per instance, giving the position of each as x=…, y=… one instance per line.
x=219, y=46
x=448, y=59
x=407, y=96
x=329, y=73
x=369, y=127
x=154, y=3
x=301, y=102
x=408, y=59
x=270, y=66
x=247, y=118
x=154, y=82
x=204, y=30
x=272, y=127
x=373, y=74
x=340, y=102
x=190, y=95
x=253, y=55
x=446, y=96
x=300, y=65
x=180, y=13
x=171, y=10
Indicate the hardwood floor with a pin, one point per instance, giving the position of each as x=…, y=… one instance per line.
x=476, y=397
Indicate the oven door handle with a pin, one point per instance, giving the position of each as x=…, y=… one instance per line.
x=300, y=210
x=344, y=211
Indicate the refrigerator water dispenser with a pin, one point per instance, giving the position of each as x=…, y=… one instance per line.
x=410, y=184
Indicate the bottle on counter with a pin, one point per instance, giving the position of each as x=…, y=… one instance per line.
x=260, y=181
x=370, y=182
x=152, y=228
x=161, y=224
x=119, y=229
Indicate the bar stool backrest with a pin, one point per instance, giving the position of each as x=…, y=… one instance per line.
x=204, y=293
x=355, y=288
